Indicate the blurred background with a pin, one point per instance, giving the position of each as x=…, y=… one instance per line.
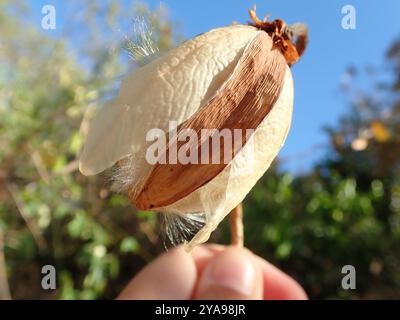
x=332, y=198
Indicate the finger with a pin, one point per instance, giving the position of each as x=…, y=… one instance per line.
x=230, y=274
x=278, y=285
x=171, y=276
x=202, y=254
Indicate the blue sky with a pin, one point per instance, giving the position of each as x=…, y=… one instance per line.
x=318, y=100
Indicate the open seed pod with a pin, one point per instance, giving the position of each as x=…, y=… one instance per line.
x=231, y=78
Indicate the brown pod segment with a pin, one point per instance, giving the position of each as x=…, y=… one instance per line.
x=242, y=102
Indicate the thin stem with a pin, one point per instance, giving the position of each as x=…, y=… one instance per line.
x=4, y=288
x=32, y=226
x=236, y=224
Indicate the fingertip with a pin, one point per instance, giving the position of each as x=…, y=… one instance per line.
x=231, y=273
x=279, y=285
x=203, y=253
x=171, y=276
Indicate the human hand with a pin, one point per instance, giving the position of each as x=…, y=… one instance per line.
x=211, y=272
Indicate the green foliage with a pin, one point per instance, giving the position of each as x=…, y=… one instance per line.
x=50, y=213
x=312, y=228
x=346, y=211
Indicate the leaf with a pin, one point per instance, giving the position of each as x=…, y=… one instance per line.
x=380, y=132
x=129, y=244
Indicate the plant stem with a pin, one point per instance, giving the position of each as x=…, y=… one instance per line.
x=4, y=288
x=236, y=224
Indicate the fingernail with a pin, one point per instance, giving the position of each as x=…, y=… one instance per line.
x=232, y=269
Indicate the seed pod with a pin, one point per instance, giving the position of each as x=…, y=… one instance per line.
x=242, y=102
x=232, y=78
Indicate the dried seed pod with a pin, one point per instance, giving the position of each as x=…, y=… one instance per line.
x=229, y=78
x=242, y=102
